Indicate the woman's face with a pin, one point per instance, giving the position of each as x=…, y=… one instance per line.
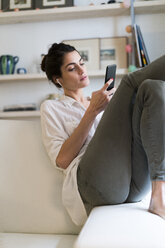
x=74, y=73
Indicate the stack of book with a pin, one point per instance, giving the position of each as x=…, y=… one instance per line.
x=142, y=54
x=20, y=107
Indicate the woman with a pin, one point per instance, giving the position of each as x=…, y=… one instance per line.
x=113, y=162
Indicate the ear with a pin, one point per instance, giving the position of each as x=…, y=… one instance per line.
x=56, y=80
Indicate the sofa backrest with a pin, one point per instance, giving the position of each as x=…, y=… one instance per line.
x=30, y=187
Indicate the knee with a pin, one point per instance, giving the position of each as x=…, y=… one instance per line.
x=116, y=194
x=105, y=194
x=120, y=197
x=153, y=85
x=153, y=89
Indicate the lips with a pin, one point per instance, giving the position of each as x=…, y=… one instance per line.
x=83, y=78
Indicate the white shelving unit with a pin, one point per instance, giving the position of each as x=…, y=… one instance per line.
x=106, y=10
x=69, y=13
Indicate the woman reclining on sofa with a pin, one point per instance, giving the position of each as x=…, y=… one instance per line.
x=109, y=147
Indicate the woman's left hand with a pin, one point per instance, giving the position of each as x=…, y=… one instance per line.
x=112, y=92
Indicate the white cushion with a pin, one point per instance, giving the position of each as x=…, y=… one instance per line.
x=13, y=240
x=30, y=187
x=122, y=226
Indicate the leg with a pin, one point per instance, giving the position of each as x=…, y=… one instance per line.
x=151, y=106
x=157, y=203
x=104, y=173
x=147, y=125
x=149, y=130
x=140, y=181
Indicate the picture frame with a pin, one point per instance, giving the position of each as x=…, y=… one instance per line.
x=10, y=5
x=41, y=4
x=113, y=51
x=89, y=51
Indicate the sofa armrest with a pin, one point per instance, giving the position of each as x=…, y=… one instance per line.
x=122, y=226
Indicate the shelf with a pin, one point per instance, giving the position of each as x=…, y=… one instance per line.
x=22, y=77
x=52, y=14
x=66, y=13
x=41, y=76
x=19, y=114
x=149, y=7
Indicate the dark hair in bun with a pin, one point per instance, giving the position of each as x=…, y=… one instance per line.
x=52, y=62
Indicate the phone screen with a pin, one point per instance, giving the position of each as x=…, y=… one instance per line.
x=110, y=73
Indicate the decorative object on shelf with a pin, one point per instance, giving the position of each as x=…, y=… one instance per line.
x=20, y=107
x=89, y=51
x=132, y=68
x=53, y=96
x=128, y=29
x=98, y=52
x=8, y=63
x=129, y=49
x=111, y=1
x=21, y=70
x=126, y=3
x=113, y=51
x=129, y=52
x=16, y=5
x=51, y=3
x=89, y=2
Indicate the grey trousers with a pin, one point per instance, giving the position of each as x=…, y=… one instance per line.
x=127, y=150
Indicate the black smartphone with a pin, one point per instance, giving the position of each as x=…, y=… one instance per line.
x=110, y=73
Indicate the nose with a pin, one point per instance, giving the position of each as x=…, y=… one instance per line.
x=80, y=70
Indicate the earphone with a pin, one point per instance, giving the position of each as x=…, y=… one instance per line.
x=58, y=82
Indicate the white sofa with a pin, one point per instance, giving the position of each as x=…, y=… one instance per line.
x=31, y=211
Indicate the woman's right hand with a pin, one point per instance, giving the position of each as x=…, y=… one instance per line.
x=101, y=98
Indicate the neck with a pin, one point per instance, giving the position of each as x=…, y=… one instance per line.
x=78, y=96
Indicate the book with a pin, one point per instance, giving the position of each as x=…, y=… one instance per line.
x=137, y=45
x=143, y=58
x=20, y=107
x=142, y=43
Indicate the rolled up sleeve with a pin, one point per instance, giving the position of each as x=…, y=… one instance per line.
x=53, y=132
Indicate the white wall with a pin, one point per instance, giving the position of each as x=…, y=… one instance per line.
x=30, y=40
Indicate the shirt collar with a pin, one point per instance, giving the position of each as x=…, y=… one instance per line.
x=67, y=100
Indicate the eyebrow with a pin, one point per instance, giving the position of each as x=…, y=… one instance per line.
x=73, y=63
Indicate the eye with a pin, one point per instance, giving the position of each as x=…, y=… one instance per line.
x=82, y=62
x=71, y=69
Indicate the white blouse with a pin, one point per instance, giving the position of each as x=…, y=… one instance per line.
x=59, y=118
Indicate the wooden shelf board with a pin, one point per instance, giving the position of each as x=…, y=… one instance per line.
x=149, y=7
x=63, y=13
x=77, y=12
x=22, y=77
